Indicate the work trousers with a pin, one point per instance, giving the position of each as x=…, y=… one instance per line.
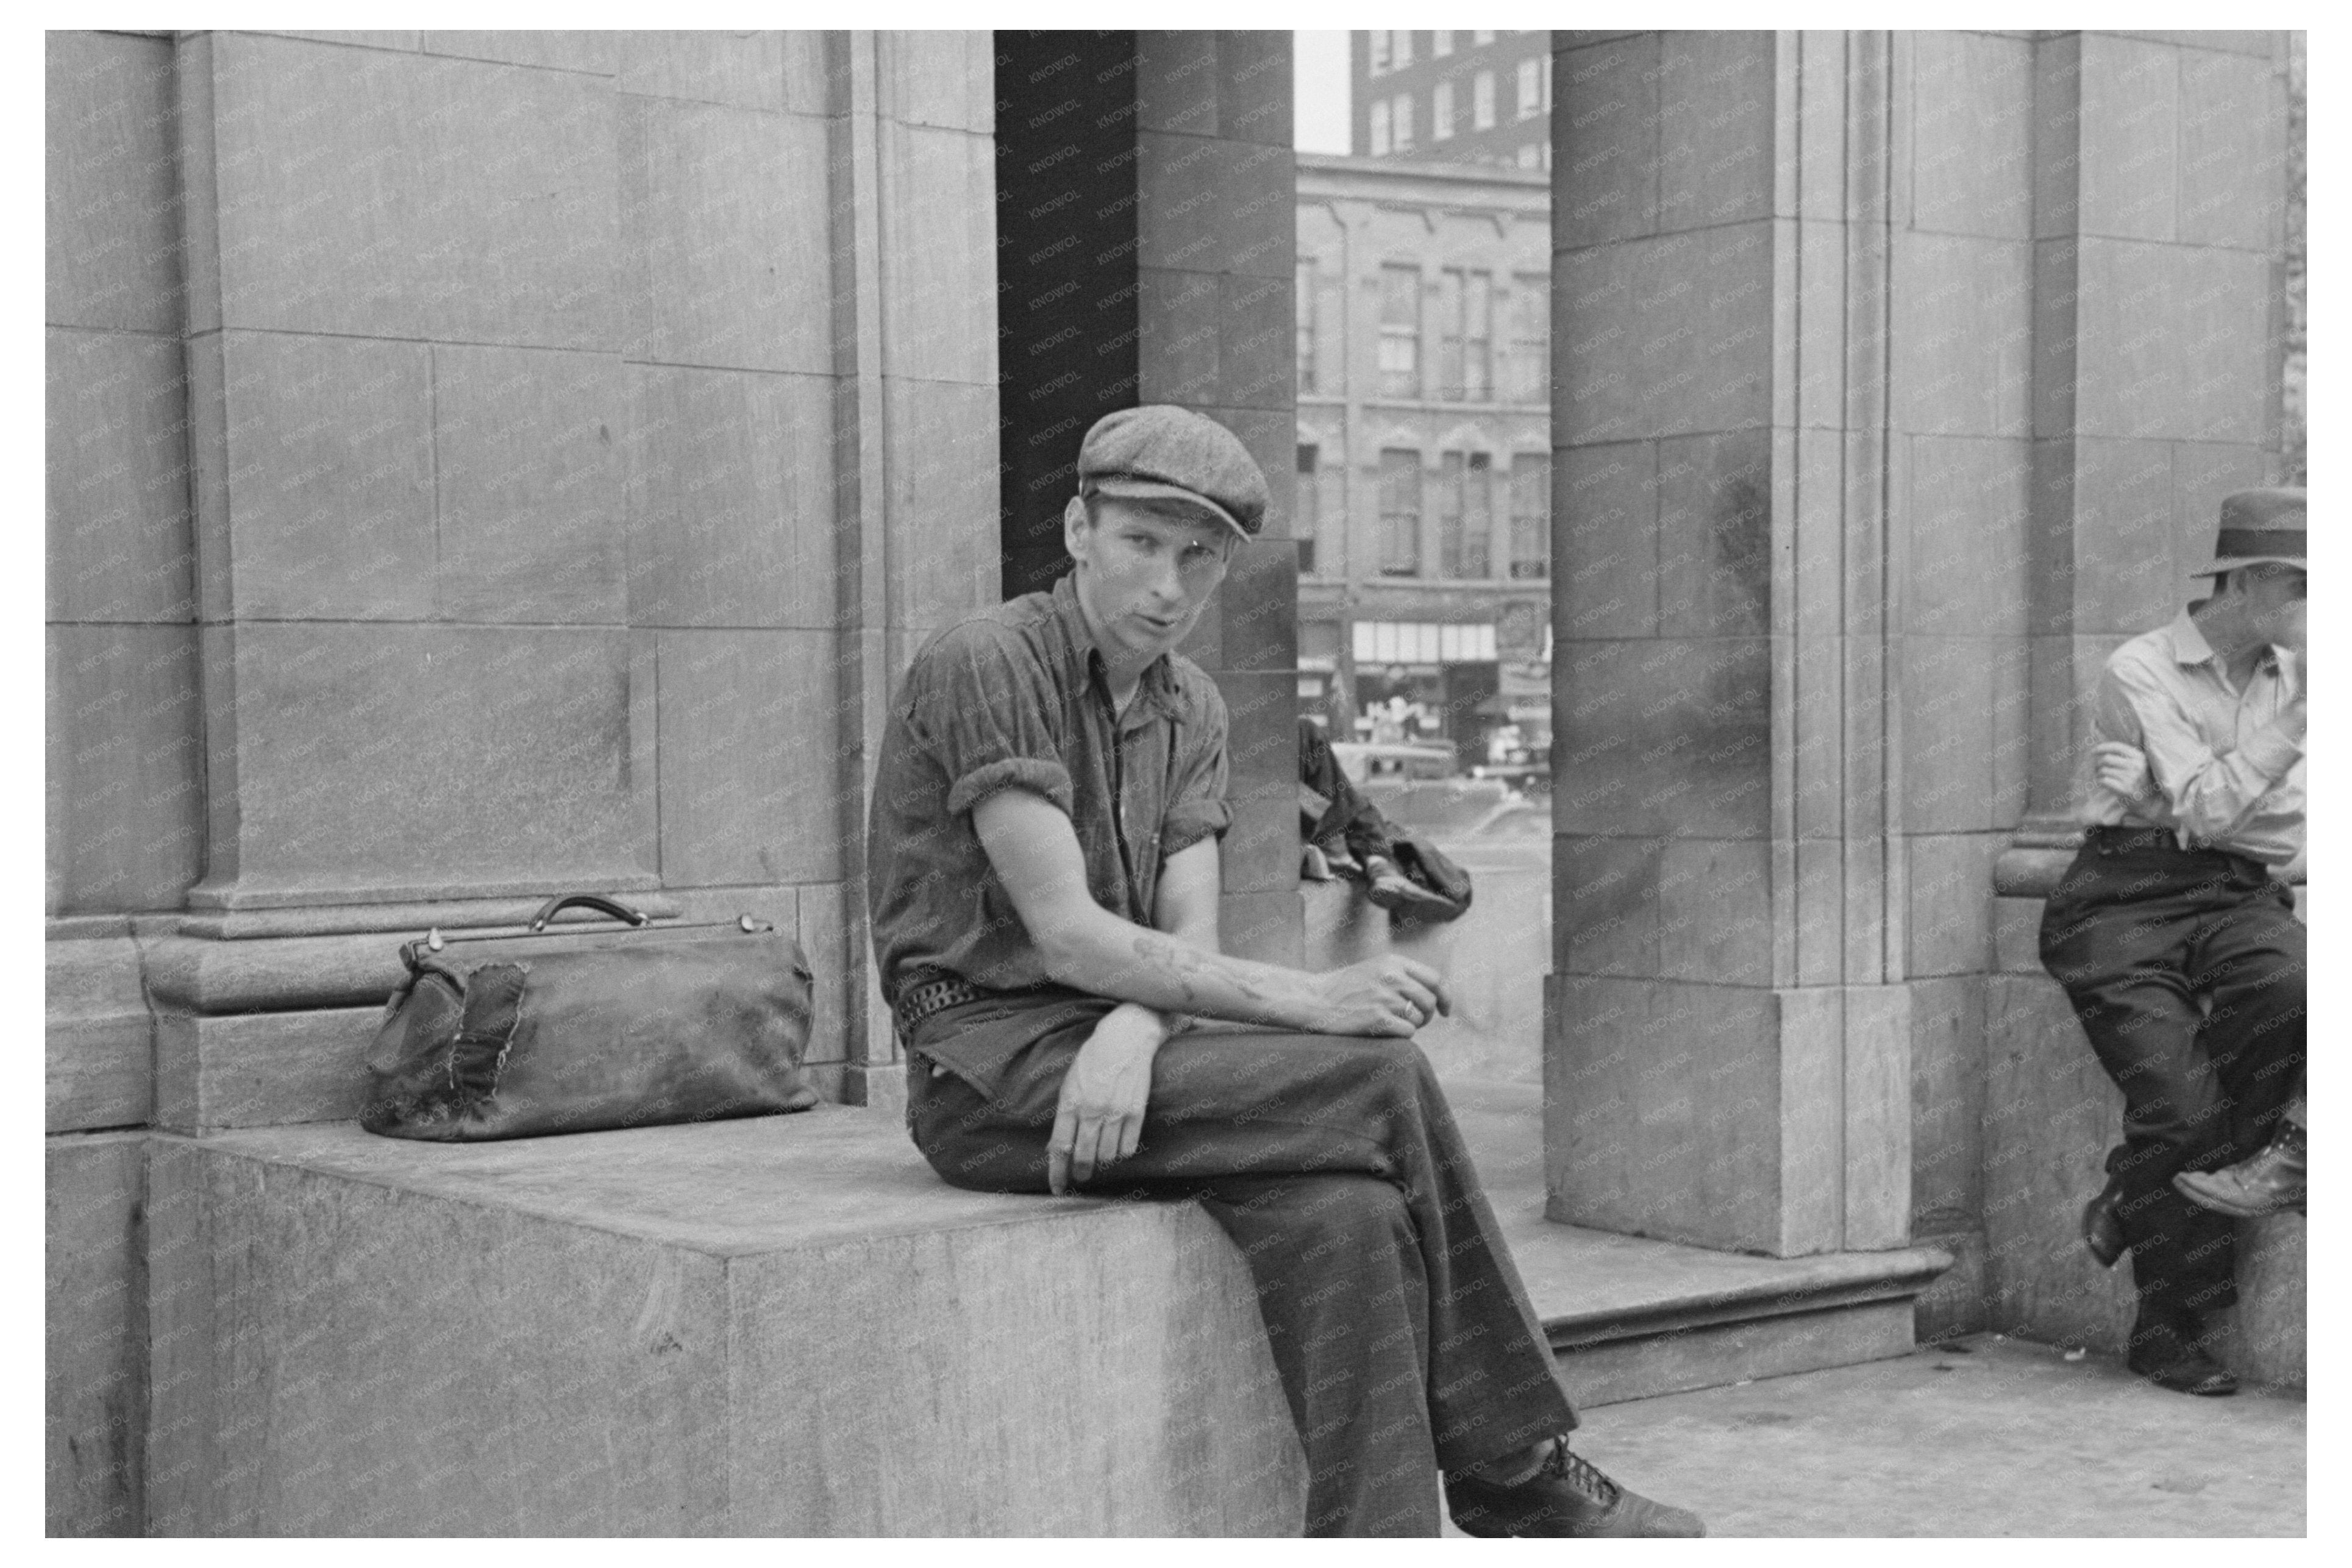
x=2140, y=932
x=1403, y=1336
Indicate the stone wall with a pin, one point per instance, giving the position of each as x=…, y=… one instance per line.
x=489, y=464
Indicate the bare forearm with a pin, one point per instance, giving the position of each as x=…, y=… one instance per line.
x=1164, y=971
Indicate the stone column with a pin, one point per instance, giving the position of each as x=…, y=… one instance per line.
x=1147, y=251
x=1881, y=355
x=1727, y=1039
x=1217, y=237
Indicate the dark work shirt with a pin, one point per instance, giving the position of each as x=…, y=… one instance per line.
x=1016, y=699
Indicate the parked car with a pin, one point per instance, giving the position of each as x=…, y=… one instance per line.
x=1365, y=762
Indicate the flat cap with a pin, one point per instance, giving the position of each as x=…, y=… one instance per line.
x=2258, y=526
x=1161, y=452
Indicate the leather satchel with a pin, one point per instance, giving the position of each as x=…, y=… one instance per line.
x=578, y=1029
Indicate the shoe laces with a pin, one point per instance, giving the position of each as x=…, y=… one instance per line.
x=1580, y=1473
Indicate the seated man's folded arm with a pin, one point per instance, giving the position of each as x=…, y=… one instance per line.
x=2210, y=794
x=1035, y=853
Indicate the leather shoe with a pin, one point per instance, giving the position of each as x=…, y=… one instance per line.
x=1389, y=888
x=2103, y=1226
x=2169, y=1359
x=1566, y=1495
x=2263, y=1183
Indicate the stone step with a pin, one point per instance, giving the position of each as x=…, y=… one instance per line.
x=1631, y=1317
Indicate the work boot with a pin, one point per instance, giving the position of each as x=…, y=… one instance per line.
x=2103, y=1224
x=1566, y=1495
x=2170, y=1355
x=2263, y=1183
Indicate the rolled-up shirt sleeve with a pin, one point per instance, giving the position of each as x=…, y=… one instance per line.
x=986, y=715
x=1196, y=803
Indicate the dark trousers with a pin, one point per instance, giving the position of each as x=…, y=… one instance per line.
x=1405, y=1341
x=1357, y=822
x=2139, y=933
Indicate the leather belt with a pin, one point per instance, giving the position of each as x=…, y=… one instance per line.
x=919, y=1002
x=2117, y=840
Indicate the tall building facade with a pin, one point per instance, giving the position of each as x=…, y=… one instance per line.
x=1424, y=448
x=1452, y=97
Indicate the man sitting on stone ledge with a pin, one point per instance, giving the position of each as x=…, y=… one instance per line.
x=1044, y=879
x=2197, y=796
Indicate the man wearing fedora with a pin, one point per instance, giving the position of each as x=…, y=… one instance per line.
x=1043, y=879
x=2173, y=934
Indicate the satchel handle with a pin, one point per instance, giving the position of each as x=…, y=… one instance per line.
x=547, y=910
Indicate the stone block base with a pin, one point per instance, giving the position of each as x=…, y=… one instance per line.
x=780, y=1326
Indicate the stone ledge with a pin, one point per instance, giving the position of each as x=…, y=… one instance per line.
x=1770, y=1287
x=782, y=1325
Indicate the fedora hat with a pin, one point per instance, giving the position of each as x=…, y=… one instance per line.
x=2257, y=526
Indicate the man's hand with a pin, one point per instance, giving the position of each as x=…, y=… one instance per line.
x=1391, y=996
x=1100, y=1119
x=2123, y=769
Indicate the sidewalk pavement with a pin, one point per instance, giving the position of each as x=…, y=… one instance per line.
x=1981, y=1437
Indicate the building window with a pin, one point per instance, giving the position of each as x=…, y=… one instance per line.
x=1441, y=112
x=1331, y=521
x=1546, y=82
x=1303, y=311
x=1531, y=338
x=1465, y=317
x=1400, y=513
x=1306, y=528
x=1482, y=101
x=1531, y=515
x=1478, y=517
x=1483, y=36
x=1402, y=49
x=1380, y=51
x=1465, y=515
x=1380, y=128
x=1441, y=42
x=1400, y=332
x=1401, y=122
x=1530, y=87
x=1546, y=160
x=1530, y=155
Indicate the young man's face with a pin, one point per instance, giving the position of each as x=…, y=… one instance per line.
x=2273, y=596
x=1145, y=570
